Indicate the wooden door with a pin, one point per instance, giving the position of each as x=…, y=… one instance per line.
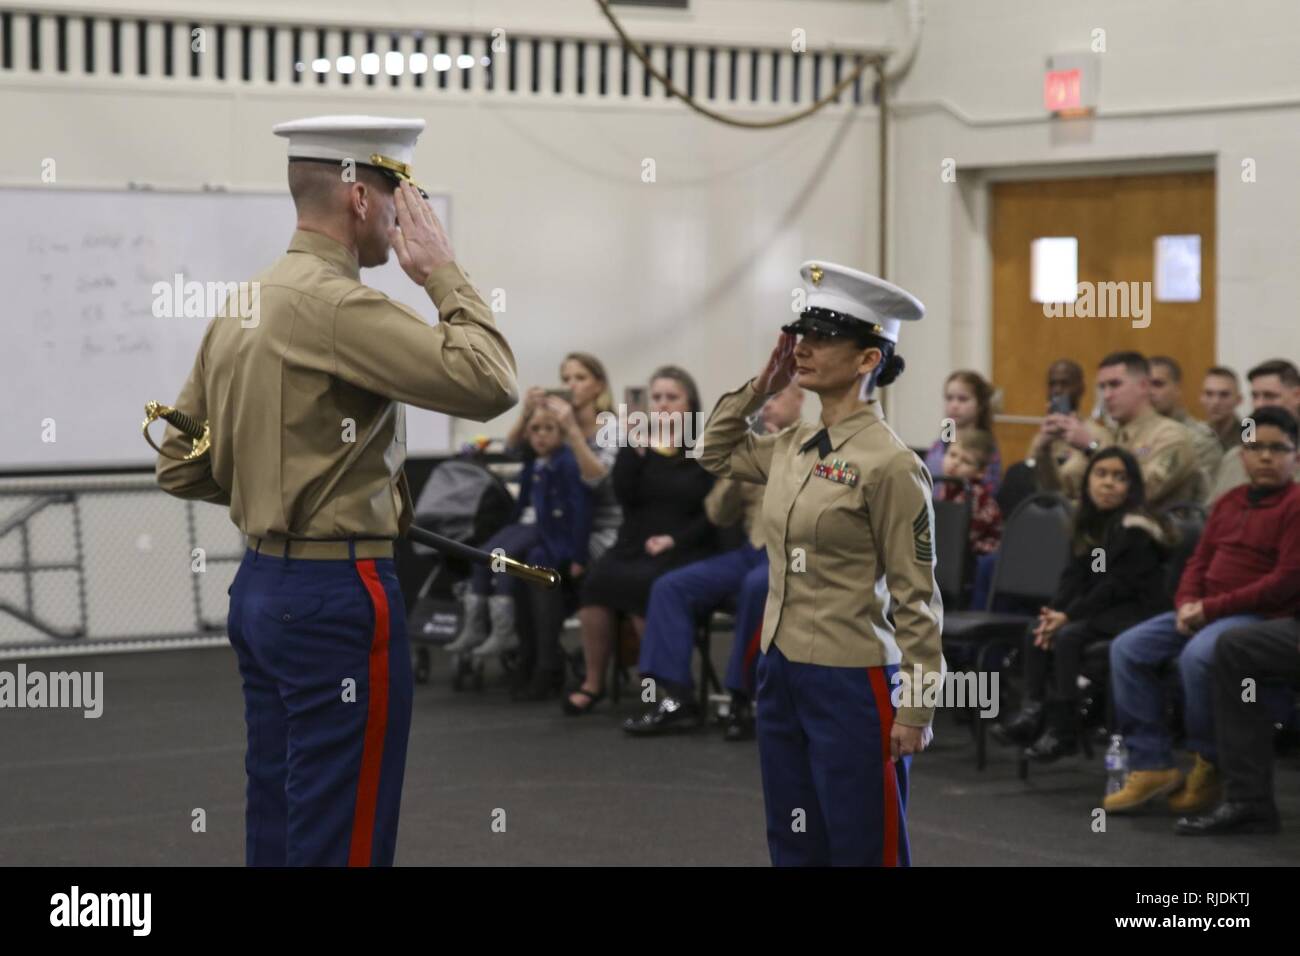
x=1116, y=221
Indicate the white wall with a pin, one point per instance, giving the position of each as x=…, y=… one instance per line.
x=548, y=203
x=1184, y=83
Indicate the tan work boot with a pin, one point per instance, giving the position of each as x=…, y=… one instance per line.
x=1203, y=791
x=1141, y=787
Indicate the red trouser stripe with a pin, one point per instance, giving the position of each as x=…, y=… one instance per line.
x=885, y=711
x=372, y=755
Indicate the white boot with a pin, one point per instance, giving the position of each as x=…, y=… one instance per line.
x=473, y=630
x=501, y=609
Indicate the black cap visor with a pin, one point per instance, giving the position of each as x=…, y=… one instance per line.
x=828, y=324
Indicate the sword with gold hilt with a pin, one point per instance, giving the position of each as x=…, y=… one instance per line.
x=200, y=438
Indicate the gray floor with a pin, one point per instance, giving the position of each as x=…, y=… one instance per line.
x=122, y=789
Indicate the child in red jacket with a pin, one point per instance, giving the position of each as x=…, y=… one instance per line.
x=967, y=457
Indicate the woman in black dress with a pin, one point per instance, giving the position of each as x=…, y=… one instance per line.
x=661, y=491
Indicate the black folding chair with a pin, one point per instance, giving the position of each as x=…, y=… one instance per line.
x=1034, y=552
x=710, y=683
x=1020, y=481
x=952, y=544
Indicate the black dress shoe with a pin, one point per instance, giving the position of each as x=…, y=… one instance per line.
x=670, y=715
x=1231, y=817
x=740, y=722
x=1049, y=747
x=1023, y=728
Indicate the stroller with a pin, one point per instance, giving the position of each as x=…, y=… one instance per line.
x=464, y=501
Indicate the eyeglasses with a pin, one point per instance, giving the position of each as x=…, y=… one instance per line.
x=1277, y=447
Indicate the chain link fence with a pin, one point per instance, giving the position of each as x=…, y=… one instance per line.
x=105, y=559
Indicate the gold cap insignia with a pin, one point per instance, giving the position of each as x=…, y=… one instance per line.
x=815, y=273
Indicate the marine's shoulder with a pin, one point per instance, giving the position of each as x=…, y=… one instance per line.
x=887, y=452
x=315, y=279
x=1160, y=428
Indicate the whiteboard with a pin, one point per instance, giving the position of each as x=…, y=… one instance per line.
x=81, y=350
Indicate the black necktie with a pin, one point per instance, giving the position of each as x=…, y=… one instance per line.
x=822, y=441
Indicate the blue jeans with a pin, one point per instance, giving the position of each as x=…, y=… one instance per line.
x=1135, y=659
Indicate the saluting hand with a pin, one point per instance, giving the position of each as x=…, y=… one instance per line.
x=419, y=240
x=779, y=370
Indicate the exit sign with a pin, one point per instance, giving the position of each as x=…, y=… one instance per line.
x=1070, y=84
x=1061, y=90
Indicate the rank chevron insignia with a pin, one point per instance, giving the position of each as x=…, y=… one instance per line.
x=923, y=537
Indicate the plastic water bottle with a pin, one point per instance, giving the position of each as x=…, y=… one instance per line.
x=1116, y=764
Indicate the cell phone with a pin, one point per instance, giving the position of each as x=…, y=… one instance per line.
x=564, y=393
x=634, y=397
x=1061, y=405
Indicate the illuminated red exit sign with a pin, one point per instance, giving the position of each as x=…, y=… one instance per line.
x=1070, y=84
x=1062, y=90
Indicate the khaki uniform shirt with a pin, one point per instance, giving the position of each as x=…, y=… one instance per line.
x=1206, y=443
x=730, y=501
x=1229, y=435
x=1164, y=452
x=308, y=436
x=851, y=579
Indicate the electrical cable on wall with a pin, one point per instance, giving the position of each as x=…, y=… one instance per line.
x=690, y=101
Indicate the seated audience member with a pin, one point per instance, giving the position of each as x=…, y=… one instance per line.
x=1115, y=579
x=679, y=597
x=1167, y=399
x=589, y=401
x=551, y=523
x=1273, y=384
x=1268, y=656
x=967, y=458
x=1220, y=396
x=1064, y=393
x=661, y=490
x=1245, y=569
x=967, y=401
x=1163, y=448
x=580, y=416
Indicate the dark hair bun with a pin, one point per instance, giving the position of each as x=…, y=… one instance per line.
x=892, y=368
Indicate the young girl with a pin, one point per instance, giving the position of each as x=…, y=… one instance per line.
x=552, y=522
x=968, y=401
x=1115, y=578
x=579, y=413
x=967, y=457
